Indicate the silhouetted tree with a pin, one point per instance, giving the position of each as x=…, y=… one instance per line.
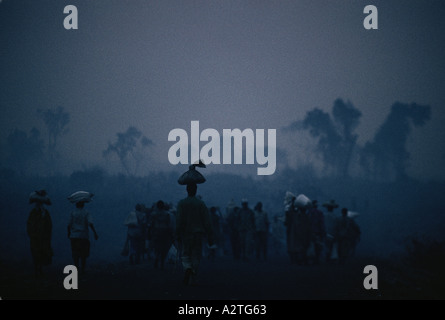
x=336, y=138
x=55, y=121
x=24, y=151
x=386, y=154
x=128, y=144
x=347, y=119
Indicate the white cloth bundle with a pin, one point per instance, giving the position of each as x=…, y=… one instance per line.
x=302, y=201
x=353, y=214
x=80, y=196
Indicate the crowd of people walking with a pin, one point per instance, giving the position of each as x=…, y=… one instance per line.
x=185, y=233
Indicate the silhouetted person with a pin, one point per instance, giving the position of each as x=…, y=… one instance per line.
x=246, y=228
x=39, y=229
x=232, y=226
x=215, y=220
x=162, y=233
x=330, y=220
x=278, y=234
x=225, y=227
x=318, y=230
x=136, y=232
x=261, y=231
x=298, y=233
x=192, y=226
x=346, y=231
x=78, y=233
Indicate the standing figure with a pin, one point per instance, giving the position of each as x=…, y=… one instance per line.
x=261, y=231
x=246, y=229
x=78, y=230
x=39, y=229
x=162, y=233
x=318, y=230
x=216, y=221
x=232, y=227
x=330, y=220
x=298, y=233
x=192, y=226
x=136, y=233
x=278, y=234
x=225, y=229
x=346, y=232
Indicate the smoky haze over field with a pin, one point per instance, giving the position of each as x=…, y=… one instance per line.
x=157, y=66
x=359, y=114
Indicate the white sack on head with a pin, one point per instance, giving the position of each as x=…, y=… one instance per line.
x=353, y=214
x=302, y=201
x=80, y=196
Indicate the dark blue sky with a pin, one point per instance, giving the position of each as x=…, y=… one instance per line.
x=158, y=65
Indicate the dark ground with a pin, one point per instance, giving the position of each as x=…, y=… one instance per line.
x=222, y=279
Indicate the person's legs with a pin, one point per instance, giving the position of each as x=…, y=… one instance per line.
x=196, y=256
x=84, y=254
x=264, y=245
x=329, y=248
x=234, y=237
x=186, y=258
x=132, y=252
x=342, y=250
x=257, y=245
x=75, y=252
x=157, y=254
x=83, y=263
x=318, y=248
x=36, y=252
x=139, y=250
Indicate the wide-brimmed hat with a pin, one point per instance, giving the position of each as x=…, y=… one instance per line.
x=80, y=196
x=331, y=204
x=39, y=196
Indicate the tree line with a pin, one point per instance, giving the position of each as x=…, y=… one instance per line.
x=384, y=157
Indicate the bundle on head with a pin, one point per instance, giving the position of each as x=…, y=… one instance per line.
x=192, y=176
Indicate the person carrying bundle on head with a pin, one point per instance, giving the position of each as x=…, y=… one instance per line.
x=78, y=229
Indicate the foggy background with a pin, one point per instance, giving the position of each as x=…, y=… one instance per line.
x=359, y=113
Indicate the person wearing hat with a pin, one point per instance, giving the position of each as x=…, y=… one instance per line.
x=330, y=220
x=192, y=226
x=39, y=230
x=78, y=233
